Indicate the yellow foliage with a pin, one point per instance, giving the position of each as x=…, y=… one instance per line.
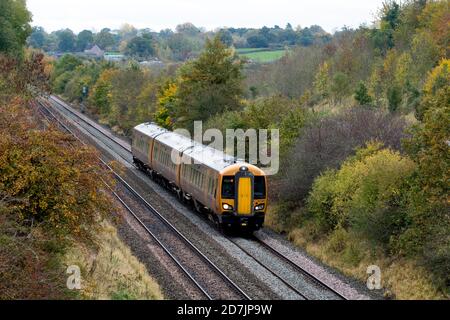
x=437, y=78
x=366, y=182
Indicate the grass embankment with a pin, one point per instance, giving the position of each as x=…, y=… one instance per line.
x=401, y=278
x=112, y=272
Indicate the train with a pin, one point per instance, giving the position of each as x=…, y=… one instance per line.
x=233, y=193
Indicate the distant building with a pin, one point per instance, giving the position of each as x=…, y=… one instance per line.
x=95, y=51
x=152, y=63
x=113, y=56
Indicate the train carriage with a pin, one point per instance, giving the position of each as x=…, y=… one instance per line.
x=234, y=193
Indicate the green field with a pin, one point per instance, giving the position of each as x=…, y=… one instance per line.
x=261, y=55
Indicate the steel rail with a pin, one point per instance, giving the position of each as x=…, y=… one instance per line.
x=290, y=286
x=160, y=216
x=297, y=267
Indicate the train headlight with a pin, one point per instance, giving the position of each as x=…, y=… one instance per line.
x=227, y=207
x=260, y=207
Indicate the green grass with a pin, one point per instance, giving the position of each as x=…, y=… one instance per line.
x=249, y=50
x=263, y=56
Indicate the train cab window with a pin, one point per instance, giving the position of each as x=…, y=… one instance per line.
x=228, y=187
x=260, y=188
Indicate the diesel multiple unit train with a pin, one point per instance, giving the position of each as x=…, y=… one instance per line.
x=233, y=193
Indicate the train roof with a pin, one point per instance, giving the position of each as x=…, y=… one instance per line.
x=176, y=141
x=215, y=159
x=150, y=129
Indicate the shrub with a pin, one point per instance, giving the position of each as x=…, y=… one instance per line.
x=325, y=143
x=320, y=202
x=363, y=194
x=394, y=96
x=362, y=95
x=337, y=242
x=35, y=166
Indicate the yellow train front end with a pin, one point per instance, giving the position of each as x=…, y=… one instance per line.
x=242, y=199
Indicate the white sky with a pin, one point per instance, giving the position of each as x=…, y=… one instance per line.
x=160, y=14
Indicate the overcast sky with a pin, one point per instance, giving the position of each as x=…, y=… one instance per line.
x=211, y=14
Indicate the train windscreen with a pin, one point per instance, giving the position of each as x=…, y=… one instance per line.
x=228, y=187
x=260, y=188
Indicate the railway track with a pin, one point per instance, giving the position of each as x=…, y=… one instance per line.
x=295, y=287
x=293, y=284
x=201, y=269
x=298, y=267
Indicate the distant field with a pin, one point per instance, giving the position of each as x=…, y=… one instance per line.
x=261, y=55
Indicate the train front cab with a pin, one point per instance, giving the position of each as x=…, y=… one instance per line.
x=243, y=197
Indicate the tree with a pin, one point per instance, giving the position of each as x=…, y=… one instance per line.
x=140, y=47
x=209, y=85
x=438, y=80
x=226, y=37
x=362, y=95
x=188, y=29
x=166, y=105
x=101, y=93
x=85, y=40
x=67, y=62
x=340, y=86
x=391, y=13
x=14, y=26
x=394, y=96
x=66, y=40
x=37, y=38
x=429, y=145
x=322, y=82
x=182, y=46
x=63, y=71
x=127, y=31
x=306, y=37
x=104, y=39
x=428, y=198
x=257, y=41
x=126, y=86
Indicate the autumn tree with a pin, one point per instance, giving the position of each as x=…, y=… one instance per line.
x=322, y=81
x=428, y=199
x=208, y=85
x=430, y=144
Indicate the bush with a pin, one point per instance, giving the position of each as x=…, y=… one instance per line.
x=362, y=95
x=363, y=194
x=326, y=142
x=35, y=166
